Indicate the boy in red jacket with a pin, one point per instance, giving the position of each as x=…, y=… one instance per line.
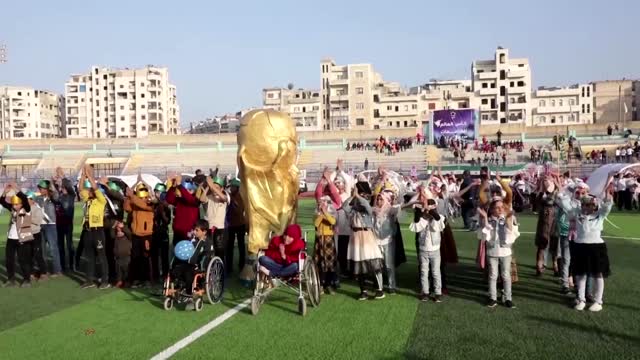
x=281, y=258
x=186, y=208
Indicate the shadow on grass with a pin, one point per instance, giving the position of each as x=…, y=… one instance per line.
x=584, y=328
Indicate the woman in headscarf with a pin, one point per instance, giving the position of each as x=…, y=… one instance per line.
x=546, y=236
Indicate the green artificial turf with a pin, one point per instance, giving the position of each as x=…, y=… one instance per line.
x=58, y=320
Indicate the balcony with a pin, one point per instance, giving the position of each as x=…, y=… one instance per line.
x=272, y=101
x=557, y=109
x=489, y=91
x=520, y=105
x=339, y=98
x=18, y=104
x=516, y=74
x=488, y=75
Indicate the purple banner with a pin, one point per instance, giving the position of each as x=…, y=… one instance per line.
x=454, y=123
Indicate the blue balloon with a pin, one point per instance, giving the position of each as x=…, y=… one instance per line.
x=184, y=250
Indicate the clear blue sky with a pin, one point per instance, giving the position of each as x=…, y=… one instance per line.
x=222, y=53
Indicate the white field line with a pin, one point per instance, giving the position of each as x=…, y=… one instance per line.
x=533, y=233
x=172, y=350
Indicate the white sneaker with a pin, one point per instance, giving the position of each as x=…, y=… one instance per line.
x=595, y=307
x=580, y=305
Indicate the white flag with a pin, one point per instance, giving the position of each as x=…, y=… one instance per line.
x=626, y=110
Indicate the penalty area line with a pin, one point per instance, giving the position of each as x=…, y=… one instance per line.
x=172, y=350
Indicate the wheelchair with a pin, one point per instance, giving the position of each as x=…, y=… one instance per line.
x=305, y=283
x=208, y=280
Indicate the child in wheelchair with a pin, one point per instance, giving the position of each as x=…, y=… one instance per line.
x=187, y=261
x=281, y=258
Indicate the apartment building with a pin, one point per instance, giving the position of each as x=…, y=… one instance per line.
x=27, y=113
x=347, y=95
x=562, y=106
x=614, y=101
x=121, y=103
x=495, y=82
x=303, y=106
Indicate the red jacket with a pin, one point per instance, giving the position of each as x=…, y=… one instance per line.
x=187, y=210
x=291, y=251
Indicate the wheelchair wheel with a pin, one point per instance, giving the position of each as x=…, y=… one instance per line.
x=215, y=280
x=255, y=304
x=168, y=303
x=312, y=283
x=199, y=304
x=167, y=286
x=302, y=306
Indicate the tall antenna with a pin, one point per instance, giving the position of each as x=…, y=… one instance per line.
x=3, y=53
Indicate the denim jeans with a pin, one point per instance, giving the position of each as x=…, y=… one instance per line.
x=504, y=264
x=65, y=240
x=566, y=260
x=50, y=236
x=430, y=261
x=276, y=269
x=388, y=253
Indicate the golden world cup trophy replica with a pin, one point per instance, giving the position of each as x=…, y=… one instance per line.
x=267, y=156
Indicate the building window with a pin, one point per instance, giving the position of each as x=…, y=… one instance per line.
x=553, y=119
x=121, y=107
x=520, y=83
x=270, y=96
x=359, y=106
x=360, y=121
x=144, y=128
x=572, y=117
x=503, y=74
x=543, y=119
x=142, y=96
x=512, y=84
x=359, y=90
x=542, y=103
x=502, y=58
x=122, y=129
x=484, y=116
x=553, y=102
x=560, y=102
x=493, y=85
x=406, y=108
x=142, y=84
x=143, y=106
x=512, y=100
x=389, y=108
x=414, y=106
x=485, y=101
x=582, y=92
x=485, y=85
x=588, y=92
x=143, y=117
x=588, y=108
x=561, y=118
x=583, y=108
x=432, y=106
x=359, y=74
x=121, y=118
x=572, y=102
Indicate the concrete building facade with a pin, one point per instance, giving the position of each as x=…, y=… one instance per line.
x=27, y=113
x=562, y=106
x=613, y=101
x=497, y=81
x=121, y=103
x=303, y=106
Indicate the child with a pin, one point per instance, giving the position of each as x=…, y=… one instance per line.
x=36, y=244
x=364, y=254
x=160, y=237
x=384, y=225
x=184, y=270
x=428, y=225
x=589, y=258
x=18, y=237
x=281, y=258
x=325, y=248
x=122, y=251
x=499, y=231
